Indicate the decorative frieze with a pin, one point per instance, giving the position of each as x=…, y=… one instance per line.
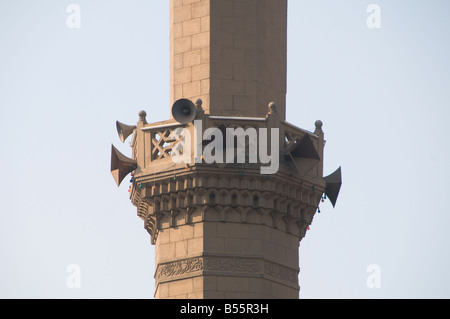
x=232, y=265
x=179, y=268
x=280, y=272
x=226, y=266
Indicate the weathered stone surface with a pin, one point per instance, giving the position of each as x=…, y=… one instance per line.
x=240, y=48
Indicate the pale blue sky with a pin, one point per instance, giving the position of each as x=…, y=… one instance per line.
x=383, y=95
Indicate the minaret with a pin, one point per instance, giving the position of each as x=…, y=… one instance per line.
x=226, y=230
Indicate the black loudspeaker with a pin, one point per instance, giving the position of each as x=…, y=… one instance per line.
x=333, y=186
x=184, y=111
x=304, y=154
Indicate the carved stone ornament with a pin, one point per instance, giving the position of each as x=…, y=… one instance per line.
x=237, y=266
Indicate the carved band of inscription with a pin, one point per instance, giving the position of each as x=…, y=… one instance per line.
x=229, y=264
x=179, y=268
x=234, y=265
x=281, y=272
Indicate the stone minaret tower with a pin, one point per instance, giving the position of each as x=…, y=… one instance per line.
x=226, y=230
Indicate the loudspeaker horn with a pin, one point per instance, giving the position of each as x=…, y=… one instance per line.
x=304, y=154
x=304, y=149
x=333, y=186
x=124, y=130
x=121, y=165
x=184, y=111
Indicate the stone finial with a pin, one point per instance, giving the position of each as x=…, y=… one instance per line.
x=142, y=116
x=199, y=107
x=319, y=125
x=273, y=108
x=199, y=104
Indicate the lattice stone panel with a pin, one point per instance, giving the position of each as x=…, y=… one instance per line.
x=163, y=144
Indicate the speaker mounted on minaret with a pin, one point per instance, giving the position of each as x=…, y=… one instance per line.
x=121, y=165
x=124, y=130
x=333, y=186
x=184, y=111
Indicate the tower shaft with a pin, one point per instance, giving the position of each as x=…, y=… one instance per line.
x=229, y=53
